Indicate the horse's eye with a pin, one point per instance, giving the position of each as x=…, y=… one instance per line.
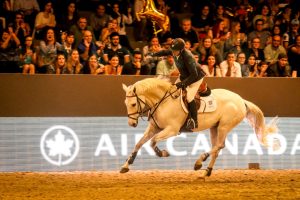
x=133, y=105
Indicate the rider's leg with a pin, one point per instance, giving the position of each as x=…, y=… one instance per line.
x=193, y=112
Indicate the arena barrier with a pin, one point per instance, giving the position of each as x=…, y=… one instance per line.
x=79, y=123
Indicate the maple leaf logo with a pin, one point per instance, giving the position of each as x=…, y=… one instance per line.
x=59, y=146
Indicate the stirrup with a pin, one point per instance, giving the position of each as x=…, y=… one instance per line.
x=191, y=124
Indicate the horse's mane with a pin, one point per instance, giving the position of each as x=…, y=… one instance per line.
x=147, y=84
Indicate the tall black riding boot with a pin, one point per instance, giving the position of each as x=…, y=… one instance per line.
x=192, y=122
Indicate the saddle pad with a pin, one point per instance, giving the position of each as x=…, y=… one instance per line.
x=207, y=104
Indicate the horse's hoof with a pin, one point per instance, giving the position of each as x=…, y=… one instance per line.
x=197, y=167
x=124, y=170
x=165, y=153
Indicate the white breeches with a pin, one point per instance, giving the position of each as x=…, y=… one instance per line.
x=192, y=89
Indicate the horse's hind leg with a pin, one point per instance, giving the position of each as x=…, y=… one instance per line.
x=162, y=135
x=148, y=134
x=204, y=156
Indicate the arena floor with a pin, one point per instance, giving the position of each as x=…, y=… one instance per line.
x=223, y=184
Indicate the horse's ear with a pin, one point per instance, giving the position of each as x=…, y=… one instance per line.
x=125, y=88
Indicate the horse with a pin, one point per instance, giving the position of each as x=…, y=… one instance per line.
x=161, y=100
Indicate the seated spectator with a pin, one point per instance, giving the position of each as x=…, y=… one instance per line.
x=99, y=20
x=68, y=43
x=113, y=67
x=21, y=28
x=229, y=67
x=86, y=47
x=167, y=68
x=202, y=22
x=114, y=47
x=264, y=15
x=262, y=68
x=254, y=49
x=9, y=57
x=60, y=63
x=105, y=33
x=219, y=36
x=211, y=69
x=69, y=17
x=294, y=57
x=206, y=49
x=289, y=38
x=148, y=51
x=44, y=20
x=94, y=67
x=187, y=33
x=220, y=14
x=47, y=52
x=136, y=66
x=273, y=50
x=28, y=56
x=29, y=9
x=279, y=68
x=263, y=35
x=241, y=59
x=79, y=29
x=73, y=65
x=252, y=66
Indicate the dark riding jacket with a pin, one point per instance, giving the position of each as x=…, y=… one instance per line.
x=190, y=71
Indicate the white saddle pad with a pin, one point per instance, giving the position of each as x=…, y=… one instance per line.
x=208, y=104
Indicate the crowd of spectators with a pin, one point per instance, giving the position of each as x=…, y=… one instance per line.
x=236, y=38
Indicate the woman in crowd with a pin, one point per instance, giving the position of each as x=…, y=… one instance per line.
x=69, y=17
x=113, y=68
x=206, y=49
x=60, y=63
x=112, y=26
x=265, y=15
x=28, y=56
x=93, y=66
x=148, y=51
x=211, y=69
x=252, y=66
x=73, y=64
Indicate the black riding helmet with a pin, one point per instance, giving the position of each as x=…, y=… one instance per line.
x=178, y=44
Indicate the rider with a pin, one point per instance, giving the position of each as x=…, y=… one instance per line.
x=191, y=75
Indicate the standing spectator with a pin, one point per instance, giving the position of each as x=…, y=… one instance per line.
x=206, y=49
x=187, y=33
x=60, y=63
x=105, y=33
x=241, y=59
x=47, y=52
x=289, y=37
x=28, y=56
x=44, y=19
x=279, y=68
x=202, y=22
x=99, y=19
x=236, y=40
x=136, y=66
x=114, y=47
x=273, y=50
x=21, y=28
x=219, y=35
x=73, y=65
x=167, y=68
x=79, y=29
x=86, y=47
x=9, y=57
x=68, y=18
x=140, y=22
x=294, y=57
x=229, y=67
x=211, y=69
x=263, y=35
x=113, y=67
x=259, y=53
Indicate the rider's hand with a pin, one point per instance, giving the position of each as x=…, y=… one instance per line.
x=180, y=85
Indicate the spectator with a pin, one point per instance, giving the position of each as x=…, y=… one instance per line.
x=86, y=47
x=211, y=69
x=136, y=66
x=294, y=57
x=105, y=33
x=29, y=8
x=259, y=53
x=220, y=14
x=73, y=65
x=69, y=17
x=47, y=52
x=79, y=29
x=114, y=47
x=262, y=68
x=279, y=68
x=241, y=59
x=187, y=33
x=28, y=56
x=252, y=66
x=9, y=57
x=21, y=28
x=289, y=38
x=263, y=35
x=113, y=67
x=273, y=50
x=206, y=49
x=140, y=22
x=167, y=68
x=99, y=20
x=202, y=22
x=44, y=20
x=60, y=63
x=229, y=67
x=264, y=14
x=68, y=44
x=94, y=67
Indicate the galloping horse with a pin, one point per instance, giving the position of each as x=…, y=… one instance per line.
x=160, y=99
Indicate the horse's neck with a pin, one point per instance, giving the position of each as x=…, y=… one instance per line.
x=154, y=96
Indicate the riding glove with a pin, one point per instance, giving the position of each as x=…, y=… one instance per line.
x=180, y=85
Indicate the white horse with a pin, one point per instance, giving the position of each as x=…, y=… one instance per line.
x=166, y=116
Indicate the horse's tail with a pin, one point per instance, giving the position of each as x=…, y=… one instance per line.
x=257, y=120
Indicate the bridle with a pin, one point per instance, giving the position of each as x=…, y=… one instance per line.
x=148, y=108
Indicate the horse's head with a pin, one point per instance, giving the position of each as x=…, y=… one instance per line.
x=135, y=105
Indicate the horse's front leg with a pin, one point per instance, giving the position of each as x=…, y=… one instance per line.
x=148, y=134
x=162, y=135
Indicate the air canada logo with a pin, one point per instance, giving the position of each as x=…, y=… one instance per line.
x=59, y=145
